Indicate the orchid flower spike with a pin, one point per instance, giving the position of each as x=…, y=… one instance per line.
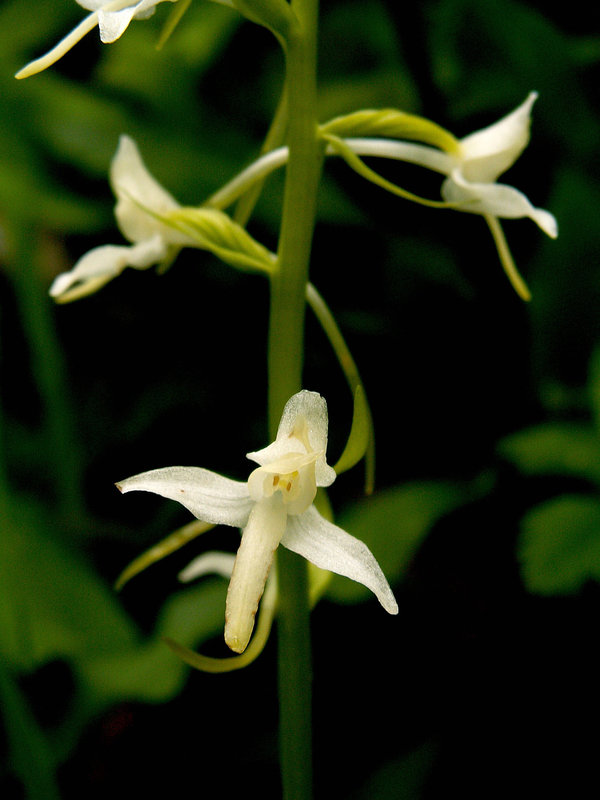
x=483, y=157
x=141, y=200
x=274, y=506
x=112, y=19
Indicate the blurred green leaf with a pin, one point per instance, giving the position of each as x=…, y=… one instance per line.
x=401, y=779
x=473, y=46
x=54, y=606
x=559, y=545
x=593, y=387
x=393, y=523
x=29, y=754
x=151, y=672
x=362, y=64
x=555, y=448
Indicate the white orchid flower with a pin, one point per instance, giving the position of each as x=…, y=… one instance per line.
x=274, y=506
x=483, y=157
x=112, y=19
x=141, y=200
x=471, y=172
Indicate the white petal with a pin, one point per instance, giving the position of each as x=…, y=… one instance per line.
x=209, y=496
x=66, y=43
x=303, y=428
x=104, y=263
x=91, y=5
x=329, y=547
x=136, y=189
x=260, y=539
x=113, y=24
x=113, y=21
x=211, y=563
x=488, y=153
x=497, y=200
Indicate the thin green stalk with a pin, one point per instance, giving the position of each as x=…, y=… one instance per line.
x=3, y=473
x=275, y=136
x=49, y=374
x=349, y=368
x=285, y=361
x=289, y=279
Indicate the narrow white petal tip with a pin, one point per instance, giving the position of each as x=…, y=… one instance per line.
x=392, y=608
x=532, y=97
x=60, y=284
x=547, y=222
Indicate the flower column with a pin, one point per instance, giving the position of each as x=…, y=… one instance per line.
x=285, y=357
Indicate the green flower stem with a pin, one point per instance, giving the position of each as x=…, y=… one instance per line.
x=276, y=134
x=350, y=370
x=49, y=373
x=303, y=172
x=285, y=361
x=3, y=473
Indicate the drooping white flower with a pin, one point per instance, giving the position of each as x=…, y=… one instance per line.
x=140, y=201
x=471, y=168
x=274, y=506
x=483, y=157
x=112, y=19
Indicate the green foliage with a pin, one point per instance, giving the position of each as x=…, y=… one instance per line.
x=559, y=542
x=559, y=547
x=393, y=524
x=458, y=375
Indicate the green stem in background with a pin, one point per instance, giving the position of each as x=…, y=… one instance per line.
x=49, y=373
x=3, y=474
x=285, y=361
x=29, y=753
x=275, y=136
x=349, y=368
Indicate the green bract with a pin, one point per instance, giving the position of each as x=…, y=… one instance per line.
x=389, y=122
x=215, y=231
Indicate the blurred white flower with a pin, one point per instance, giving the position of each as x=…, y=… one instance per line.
x=141, y=200
x=274, y=506
x=482, y=158
x=112, y=19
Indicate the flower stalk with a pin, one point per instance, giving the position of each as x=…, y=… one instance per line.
x=285, y=360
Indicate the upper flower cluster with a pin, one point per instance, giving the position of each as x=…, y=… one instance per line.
x=274, y=506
